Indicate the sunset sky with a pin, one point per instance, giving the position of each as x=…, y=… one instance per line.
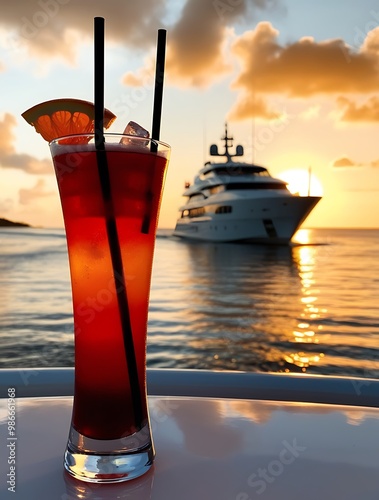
x=297, y=81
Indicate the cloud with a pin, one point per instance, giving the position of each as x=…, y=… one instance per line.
x=198, y=30
x=9, y=158
x=27, y=196
x=303, y=68
x=344, y=162
x=353, y=112
x=46, y=27
x=197, y=41
x=347, y=162
x=371, y=42
x=253, y=105
x=195, y=54
x=142, y=77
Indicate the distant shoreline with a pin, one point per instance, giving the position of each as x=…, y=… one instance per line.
x=9, y=223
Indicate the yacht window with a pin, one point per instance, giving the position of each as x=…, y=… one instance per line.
x=197, y=212
x=225, y=209
x=237, y=170
x=255, y=185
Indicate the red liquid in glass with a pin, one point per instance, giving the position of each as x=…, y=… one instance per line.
x=103, y=406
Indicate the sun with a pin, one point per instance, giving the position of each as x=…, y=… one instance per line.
x=302, y=182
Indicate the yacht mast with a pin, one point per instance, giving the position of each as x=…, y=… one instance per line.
x=228, y=144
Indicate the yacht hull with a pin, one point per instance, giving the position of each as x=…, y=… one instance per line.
x=265, y=220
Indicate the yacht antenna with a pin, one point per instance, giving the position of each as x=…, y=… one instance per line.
x=309, y=180
x=228, y=144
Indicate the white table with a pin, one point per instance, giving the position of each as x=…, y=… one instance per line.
x=209, y=448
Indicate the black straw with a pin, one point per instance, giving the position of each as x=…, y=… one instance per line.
x=99, y=82
x=113, y=239
x=158, y=87
x=157, y=112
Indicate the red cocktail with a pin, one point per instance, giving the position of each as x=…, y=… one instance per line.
x=110, y=411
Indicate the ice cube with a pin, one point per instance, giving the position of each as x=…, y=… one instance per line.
x=135, y=129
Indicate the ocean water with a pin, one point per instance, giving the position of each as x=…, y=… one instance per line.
x=311, y=307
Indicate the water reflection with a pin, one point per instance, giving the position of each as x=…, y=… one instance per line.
x=306, y=330
x=310, y=308
x=252, y=307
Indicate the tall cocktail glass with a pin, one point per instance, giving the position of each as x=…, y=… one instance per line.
x=110, y=438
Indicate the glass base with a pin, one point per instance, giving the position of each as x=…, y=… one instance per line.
x=109, y=461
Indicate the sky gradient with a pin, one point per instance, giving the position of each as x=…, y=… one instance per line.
x=297, y=81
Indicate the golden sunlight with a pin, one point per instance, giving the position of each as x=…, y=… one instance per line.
x=302, y=182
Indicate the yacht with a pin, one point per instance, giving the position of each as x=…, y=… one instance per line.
x=237, y=201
